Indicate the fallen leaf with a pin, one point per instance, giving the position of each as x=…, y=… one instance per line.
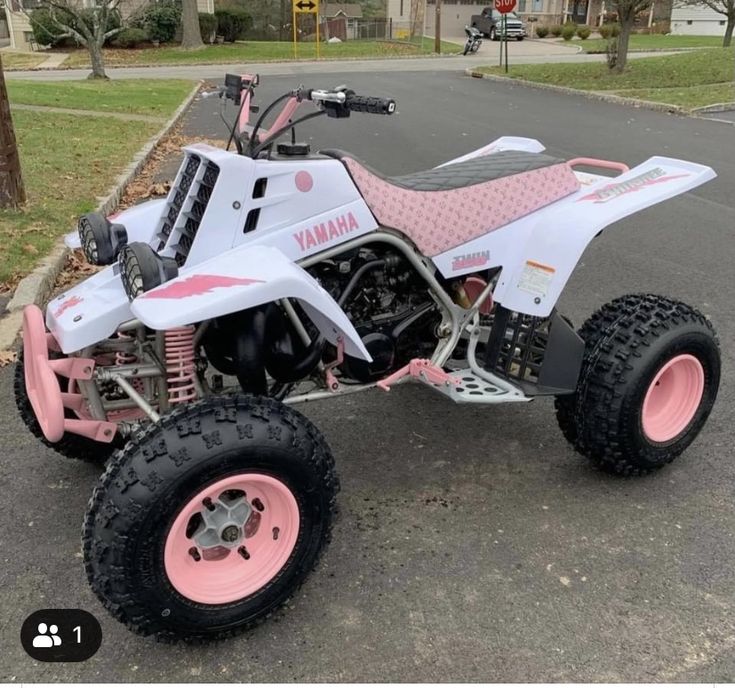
x=7, y=357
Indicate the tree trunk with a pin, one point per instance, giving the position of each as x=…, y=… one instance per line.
x=727, y=40
x=191, y=37
x=12, y=193
x=626, y=28
x=97, y=59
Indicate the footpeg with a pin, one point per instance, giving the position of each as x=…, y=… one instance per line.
x=422, y=369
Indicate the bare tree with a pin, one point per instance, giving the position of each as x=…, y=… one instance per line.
x=627, y=11
x=724, y=7
x=12, y=192
x=191, y=36
x=87, y=26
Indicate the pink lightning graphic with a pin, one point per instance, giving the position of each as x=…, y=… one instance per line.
x=196, y=285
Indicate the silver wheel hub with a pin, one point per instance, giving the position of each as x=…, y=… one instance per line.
x=224, y=523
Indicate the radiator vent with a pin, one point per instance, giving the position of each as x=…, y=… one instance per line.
x=260, y=186
x=201, y=193
x=177, y=197
x=251, y=222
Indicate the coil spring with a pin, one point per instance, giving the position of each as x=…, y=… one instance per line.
x=126, y=358
x=180, y=366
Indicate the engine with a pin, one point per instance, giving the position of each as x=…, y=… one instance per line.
x=388, y=304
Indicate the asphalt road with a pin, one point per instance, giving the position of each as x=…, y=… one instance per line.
x=473, y=544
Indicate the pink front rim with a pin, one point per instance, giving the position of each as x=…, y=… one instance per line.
x=673, y=398
x=232, y=578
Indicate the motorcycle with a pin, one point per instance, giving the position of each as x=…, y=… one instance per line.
x=474, y=40
x=270, y=276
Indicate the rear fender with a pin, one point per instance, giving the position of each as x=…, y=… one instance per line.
x=141, y=222
x=244, y=277
x=504, y=143
x=539, y=267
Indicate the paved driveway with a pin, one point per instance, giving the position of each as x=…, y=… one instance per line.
x=472, y=544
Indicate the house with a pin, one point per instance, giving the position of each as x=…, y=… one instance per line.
x=455, y=14
x=21, y=33
x=696, y=20
x=349, y=12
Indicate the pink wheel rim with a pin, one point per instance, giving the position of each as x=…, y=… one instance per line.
x=234, y=576
x=673, y=398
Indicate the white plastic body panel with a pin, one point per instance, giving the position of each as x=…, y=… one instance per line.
x=312, y=205
x=504, y=143
x=539, y=251
x=139, y=220
x=244, y=277
x=88, y=312
x=299, y=197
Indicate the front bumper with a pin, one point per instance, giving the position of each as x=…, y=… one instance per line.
x=44, y=391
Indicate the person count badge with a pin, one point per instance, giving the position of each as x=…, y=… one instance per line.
x=61, y=635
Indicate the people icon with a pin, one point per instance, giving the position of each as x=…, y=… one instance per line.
x=47, y=636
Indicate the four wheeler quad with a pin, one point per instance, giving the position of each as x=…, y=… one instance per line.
x=272, y=275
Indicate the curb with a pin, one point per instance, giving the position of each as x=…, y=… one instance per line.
x=715, y=107
x=36, y=287
x=592, y=95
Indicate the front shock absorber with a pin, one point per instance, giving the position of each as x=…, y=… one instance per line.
x=124, y=357
x=180, y=364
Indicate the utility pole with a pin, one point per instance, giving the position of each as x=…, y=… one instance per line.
x=12, y=193
x=438, y=28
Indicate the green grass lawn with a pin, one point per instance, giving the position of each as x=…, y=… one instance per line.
x=21, y=60
x=257, y=51
x=68, y=161
x=656, y=42
x=689, y=79
x=159, y=97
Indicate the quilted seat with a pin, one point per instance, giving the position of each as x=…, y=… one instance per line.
x=445, y=207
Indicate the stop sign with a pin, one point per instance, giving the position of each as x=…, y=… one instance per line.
x=505, y=6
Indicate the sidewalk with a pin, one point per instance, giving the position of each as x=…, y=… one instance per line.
x=217, y=71
x=53, y=61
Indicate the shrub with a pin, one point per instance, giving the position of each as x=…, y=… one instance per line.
x=556, y=30
x=232, y=23
x=207, y=26
x=605, y=31
x=47, y=32
x=567, y=33
x=542, y=31
x=131, y=37
x=615, y=30
x=584, y=32
x=160, y=20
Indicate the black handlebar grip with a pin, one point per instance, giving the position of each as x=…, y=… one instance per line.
x=376, y=106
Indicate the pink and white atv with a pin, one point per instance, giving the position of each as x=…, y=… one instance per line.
x=271, y=276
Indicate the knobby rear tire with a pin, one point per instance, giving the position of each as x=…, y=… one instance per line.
x=626, y=343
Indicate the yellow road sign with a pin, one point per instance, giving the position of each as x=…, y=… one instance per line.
x=305, y=6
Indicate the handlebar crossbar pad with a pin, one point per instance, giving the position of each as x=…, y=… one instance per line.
x=377, y=106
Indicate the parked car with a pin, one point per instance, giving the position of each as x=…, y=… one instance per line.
x=490, y=23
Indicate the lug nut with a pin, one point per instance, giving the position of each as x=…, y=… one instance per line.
x=276, y=532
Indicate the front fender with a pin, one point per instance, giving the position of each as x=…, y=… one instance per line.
x=244, y=277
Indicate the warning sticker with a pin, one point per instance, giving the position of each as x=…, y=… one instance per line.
x=536, y=278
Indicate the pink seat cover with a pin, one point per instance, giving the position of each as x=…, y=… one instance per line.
x=439, y=220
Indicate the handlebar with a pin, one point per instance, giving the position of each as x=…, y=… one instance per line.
x=351, y=101
x=374, y=105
